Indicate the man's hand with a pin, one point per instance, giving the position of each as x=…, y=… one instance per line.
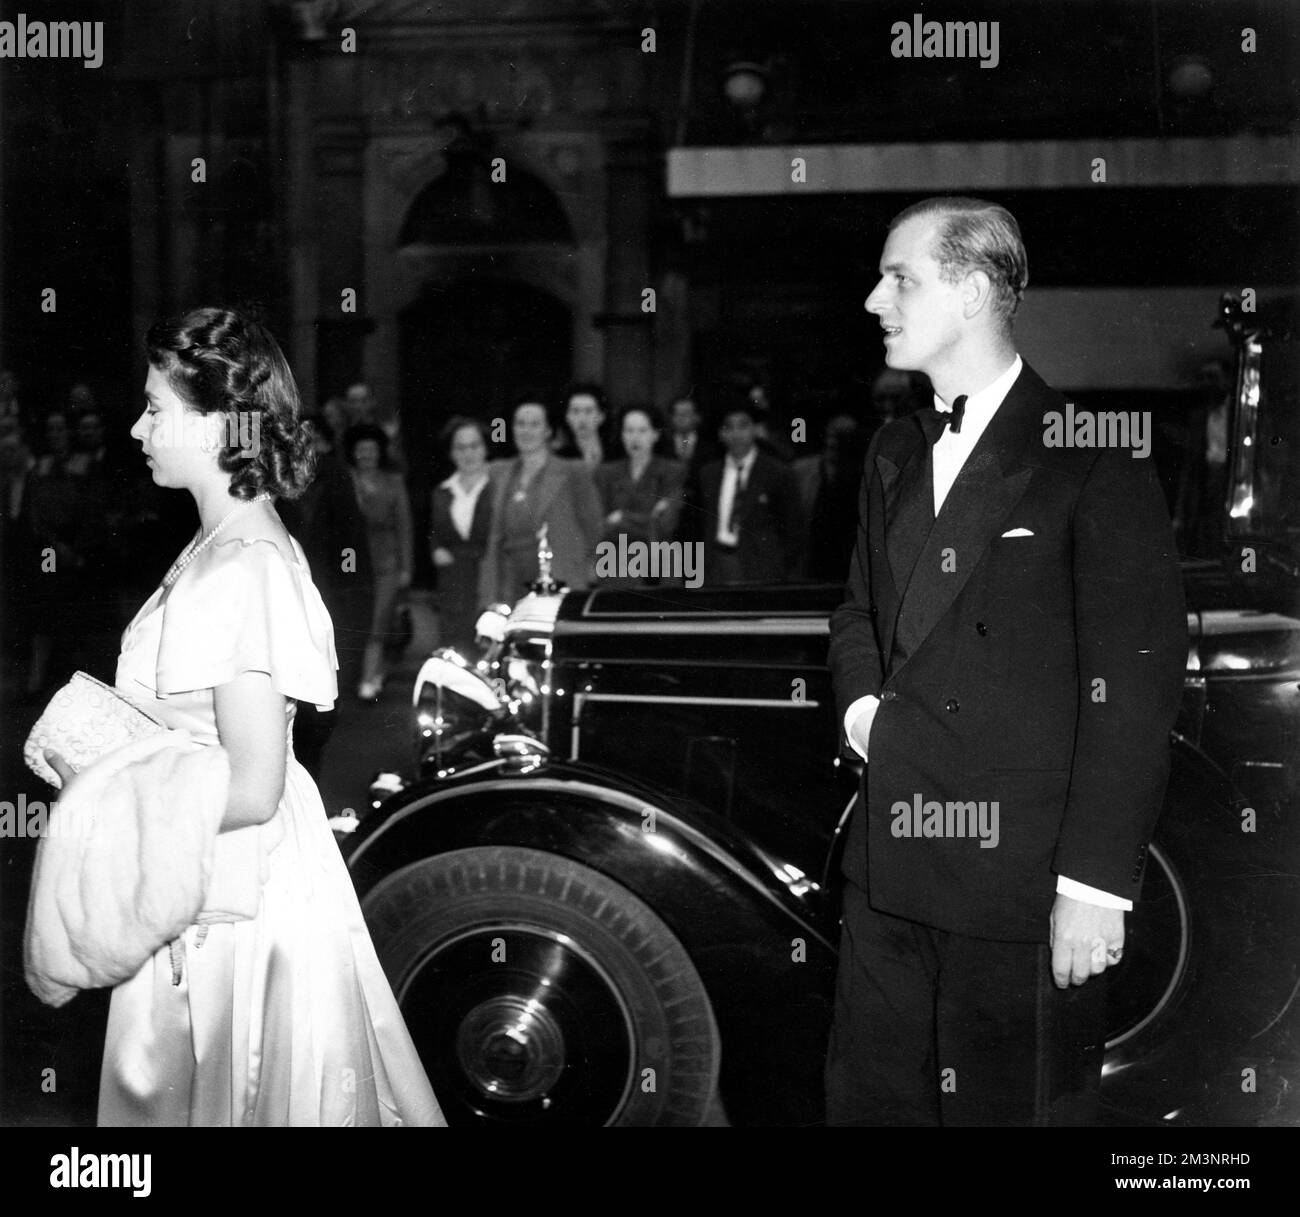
x=1085, y=939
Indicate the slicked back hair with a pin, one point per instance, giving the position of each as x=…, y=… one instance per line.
x=974, y=234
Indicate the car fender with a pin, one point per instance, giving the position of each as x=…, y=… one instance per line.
x=766, y=962
x=1240, y=913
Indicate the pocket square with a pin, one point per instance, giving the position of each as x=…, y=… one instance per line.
x=1019, y=532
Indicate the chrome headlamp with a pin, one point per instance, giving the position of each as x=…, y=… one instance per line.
x=462, y=707
x=457, y=712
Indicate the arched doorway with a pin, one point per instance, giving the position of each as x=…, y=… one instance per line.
x=479, y=334
x=474, y=348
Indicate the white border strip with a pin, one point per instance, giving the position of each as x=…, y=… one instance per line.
x=1243, y=160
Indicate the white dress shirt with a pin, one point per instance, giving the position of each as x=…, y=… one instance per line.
x=950, y=452
x=953, y=447
x=735, y=477
x=463, y=502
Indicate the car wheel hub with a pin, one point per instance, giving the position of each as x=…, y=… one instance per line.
x=511, y=1048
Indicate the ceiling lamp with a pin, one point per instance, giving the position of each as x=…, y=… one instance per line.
x=745, y=84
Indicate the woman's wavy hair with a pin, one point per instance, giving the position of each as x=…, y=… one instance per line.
x=219, y=361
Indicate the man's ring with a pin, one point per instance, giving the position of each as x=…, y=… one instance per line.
x=1114, y=954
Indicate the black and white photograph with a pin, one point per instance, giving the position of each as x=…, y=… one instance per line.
x=677, y=563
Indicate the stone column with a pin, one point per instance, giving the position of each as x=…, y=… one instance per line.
x=629, y=369
x=339, y=202
x=299, y=223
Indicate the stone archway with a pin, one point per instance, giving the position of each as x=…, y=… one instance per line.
x=473, y=348
x=491, y=247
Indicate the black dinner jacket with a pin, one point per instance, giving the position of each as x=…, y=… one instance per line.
x=988, y=652
x=768, y=517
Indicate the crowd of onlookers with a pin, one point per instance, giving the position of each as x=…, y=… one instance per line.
x=726, y=479
x=86, y=534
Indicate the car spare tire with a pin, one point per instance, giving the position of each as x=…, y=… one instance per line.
x=538, y=991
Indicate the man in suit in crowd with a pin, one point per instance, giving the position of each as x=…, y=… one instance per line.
x=686, y=441
x=753, y=525
x=770, y=439
x=1009, y=663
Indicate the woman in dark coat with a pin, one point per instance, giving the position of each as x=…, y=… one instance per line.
x=642, y=494
x=459, y=525
x=535, y=488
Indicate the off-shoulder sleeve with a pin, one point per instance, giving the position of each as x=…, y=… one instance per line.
x=247, y=609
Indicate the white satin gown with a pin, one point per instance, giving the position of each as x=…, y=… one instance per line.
x=285, y=1019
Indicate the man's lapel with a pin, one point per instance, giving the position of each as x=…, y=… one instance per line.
x=990, y=484
x=909, y=512
x=898, y=477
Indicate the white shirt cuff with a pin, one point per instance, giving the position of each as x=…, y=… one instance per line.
x=864, y=705
x=1093, y=895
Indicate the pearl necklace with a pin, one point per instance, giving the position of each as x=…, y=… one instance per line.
x=197, y=546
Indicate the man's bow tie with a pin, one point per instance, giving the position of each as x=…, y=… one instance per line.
x=933, y=421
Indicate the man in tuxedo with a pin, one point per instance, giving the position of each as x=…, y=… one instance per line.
x=753, y=524
x=1009, y=664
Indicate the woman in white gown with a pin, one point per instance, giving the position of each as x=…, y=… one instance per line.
x=285, y=1018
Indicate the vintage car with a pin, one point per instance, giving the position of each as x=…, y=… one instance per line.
x=609, y=894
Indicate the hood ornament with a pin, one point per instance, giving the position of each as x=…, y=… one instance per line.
x=545, y=584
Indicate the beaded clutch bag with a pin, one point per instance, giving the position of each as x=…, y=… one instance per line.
x=84, y=720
